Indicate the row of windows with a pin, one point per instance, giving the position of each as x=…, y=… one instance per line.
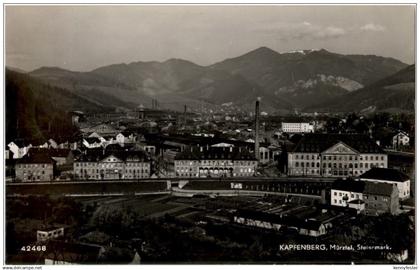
x=92, y=171
x=357, y=196
x=213, y=162
x=32, y=166
x=107, y=165
x=34, y=172
x=339, y=157
x=339, y=165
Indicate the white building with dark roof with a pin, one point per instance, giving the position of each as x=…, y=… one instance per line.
x=372, y=198
x=400, y=139
x=389, y=176
x=110, y=164
x=215, y=162
x=335, y=155
x=297, y=127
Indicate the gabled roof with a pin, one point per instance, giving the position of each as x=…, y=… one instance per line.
x=36, y=157
x=52, y=152
x=385, y=174
x=349, y=185
x=317, y=143
x=339, y=148
x=92, y=140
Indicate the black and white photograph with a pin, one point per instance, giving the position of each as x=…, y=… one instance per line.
x=215, y=134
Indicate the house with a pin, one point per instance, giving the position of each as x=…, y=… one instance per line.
x=335, y=155
x=380, y=198
x=400, y=139
x=370, y=198
x=49, y=233
x=93, y=142
x=59, y=252
x=18, y=149
x=52, y=143
x=35, y=166
x=125, y=137
x=389, y=176
x=346, y=193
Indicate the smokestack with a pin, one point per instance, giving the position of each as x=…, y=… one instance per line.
x=257, y=129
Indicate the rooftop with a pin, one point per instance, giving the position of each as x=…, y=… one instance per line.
x=215, y=153
x=382, y=189
x=385, y=174
x=317, y=143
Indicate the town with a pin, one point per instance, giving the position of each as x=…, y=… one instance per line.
x=304, y=175
x=145, y=134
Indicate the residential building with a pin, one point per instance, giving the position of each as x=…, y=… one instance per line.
x=125, y=137
x=49, y=233
x=35, y=166
x=18, y=149
x=371, y=198
x=112, y=165
x=389, y=176
x=347, y=193
x=335, y=155
x=400, y=139
x=297, y=127
x=215, y=162
x=380, y=198
x=93, y=142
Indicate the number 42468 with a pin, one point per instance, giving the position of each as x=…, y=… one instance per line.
x=34, y=248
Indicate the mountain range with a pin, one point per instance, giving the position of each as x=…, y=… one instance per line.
x=301, y=80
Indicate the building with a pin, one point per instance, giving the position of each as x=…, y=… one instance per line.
x=101, y=129
x=125, y=137
x=93, y=142
x=269, y=221
x=215, y=162
x=389, y=176
x=335, y=155
x=400, y=139
x=371, y=198
x=380, y=198
x=120, y=165
x=60, y=156
x=348, y=193
x=35, y=166
x=297, y=127
x=49, y=233
x=18, y=149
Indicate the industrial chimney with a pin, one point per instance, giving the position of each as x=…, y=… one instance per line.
x=257, y=129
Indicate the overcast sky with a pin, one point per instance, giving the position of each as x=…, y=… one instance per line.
x=86, y=37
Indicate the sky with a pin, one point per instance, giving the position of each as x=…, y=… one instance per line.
x=82, y=38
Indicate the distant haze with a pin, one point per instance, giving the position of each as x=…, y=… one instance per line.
x=82, y=38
